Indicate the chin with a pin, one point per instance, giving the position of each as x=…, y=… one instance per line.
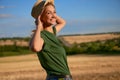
x=53, y=23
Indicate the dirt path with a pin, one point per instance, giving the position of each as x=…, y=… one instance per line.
x=83, y=67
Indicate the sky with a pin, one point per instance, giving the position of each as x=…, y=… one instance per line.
x=82, y=17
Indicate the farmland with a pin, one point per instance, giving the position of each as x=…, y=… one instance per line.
x=83, y=67
x=71, y=39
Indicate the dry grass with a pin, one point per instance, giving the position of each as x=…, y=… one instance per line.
x=67, y=39
x=89, y=38
x=83, y=67
x=12, y=42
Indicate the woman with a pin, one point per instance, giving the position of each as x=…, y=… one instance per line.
x=50, y=52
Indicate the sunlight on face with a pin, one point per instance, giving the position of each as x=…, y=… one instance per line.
x=48, y=16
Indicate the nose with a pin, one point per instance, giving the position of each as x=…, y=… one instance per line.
x=53, y=15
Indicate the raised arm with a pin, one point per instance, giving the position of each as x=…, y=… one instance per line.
x=36, y=42
x=60, y=23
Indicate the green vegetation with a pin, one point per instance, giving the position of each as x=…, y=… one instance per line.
x=98, y=47
x=11, y=50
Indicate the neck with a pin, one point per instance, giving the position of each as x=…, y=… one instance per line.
x=49, y=28
x=47, y=25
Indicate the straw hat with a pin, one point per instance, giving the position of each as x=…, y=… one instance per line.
x=38, y=7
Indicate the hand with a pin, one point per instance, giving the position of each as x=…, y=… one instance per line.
x=39, y=24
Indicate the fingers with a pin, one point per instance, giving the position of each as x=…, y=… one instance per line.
x=39, y=18
x=39, y=22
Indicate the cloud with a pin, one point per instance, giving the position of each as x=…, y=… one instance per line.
x=110, y=28
x=91, y=26
x=103, y=21
x=2, y=16
x=89, y=22
x=3, y=7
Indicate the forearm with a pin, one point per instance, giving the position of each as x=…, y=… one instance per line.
x=36, y=42
x=60, y=23
x=59, y=20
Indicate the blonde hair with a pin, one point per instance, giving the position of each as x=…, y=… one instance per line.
x=49, y=3
x=36, y=22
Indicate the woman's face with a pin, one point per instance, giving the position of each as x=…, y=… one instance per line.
x=48, y=16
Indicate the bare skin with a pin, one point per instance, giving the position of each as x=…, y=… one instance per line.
x=44, y=22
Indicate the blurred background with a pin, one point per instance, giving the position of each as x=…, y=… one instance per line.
x=91, y=39
x=82, y=16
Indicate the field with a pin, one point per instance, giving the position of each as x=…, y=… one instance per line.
x=68, y=40
x=83, y=67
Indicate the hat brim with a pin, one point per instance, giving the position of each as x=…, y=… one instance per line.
x=47, y=1
x=39, y=7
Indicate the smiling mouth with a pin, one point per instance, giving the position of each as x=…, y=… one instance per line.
x=52, y=19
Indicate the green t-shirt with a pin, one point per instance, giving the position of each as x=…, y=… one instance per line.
x=53, y=56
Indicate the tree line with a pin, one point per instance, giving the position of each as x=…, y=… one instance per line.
x=98, y=47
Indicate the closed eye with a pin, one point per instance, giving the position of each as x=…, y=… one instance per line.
x=48, y=13
x=55, y=12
